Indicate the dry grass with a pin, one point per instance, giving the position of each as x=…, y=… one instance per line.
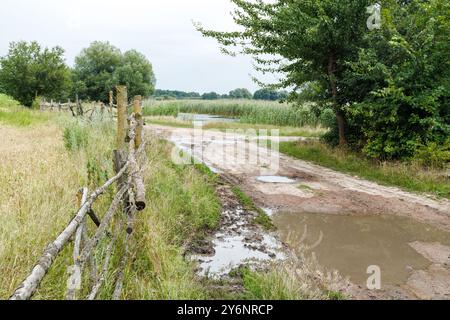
x=39, y=180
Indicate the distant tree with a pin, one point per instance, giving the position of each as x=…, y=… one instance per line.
x=270, y=95
x=136, y=72
x=176, y=94
x=240, y=93
x=210, y=96
x=28, y=71
x=101, y=67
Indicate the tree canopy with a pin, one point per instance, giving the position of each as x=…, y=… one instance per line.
x=28, y=71
x=388, y=86
x=101, y=66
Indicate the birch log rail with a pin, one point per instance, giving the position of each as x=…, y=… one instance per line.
x=130, y=195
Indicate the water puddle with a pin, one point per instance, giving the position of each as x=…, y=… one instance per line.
x=232, y=251
x=350, y=244
x=275, y=179
x=205, y=118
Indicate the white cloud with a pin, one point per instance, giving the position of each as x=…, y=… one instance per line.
x=161, y=29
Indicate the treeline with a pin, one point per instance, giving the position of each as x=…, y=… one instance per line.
x=30, y=71
x=240, y=93
x=383, y=67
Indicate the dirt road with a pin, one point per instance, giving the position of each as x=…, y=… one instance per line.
x=300, y=186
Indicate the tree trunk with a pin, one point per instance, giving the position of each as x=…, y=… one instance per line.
x=339, y=113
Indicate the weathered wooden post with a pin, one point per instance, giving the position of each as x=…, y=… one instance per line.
x=122, y=102
x=138, y=183
x=111, y=101
x=137, y=109
x=120, y=152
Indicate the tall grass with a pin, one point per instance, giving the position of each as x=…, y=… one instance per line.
x=41, y=170
x=247, y=111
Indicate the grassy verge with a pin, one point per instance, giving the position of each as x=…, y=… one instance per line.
x=406, y=176
x=262, y=219
x=310, y=132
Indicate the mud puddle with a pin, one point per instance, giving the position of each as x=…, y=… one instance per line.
x=350, y=244
x=239, y=241
x=275, y=179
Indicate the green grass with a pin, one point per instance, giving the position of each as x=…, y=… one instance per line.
x=22, y=117
x=7, y=102
x=169, y=122
x=247, y=111
x=262, y=219
x=11, y=113
x=407, y=176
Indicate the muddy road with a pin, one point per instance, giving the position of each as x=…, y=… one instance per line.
x=293, y=188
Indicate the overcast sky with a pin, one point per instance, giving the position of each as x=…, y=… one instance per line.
x=161, y=29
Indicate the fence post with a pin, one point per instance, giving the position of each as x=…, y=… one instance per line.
x=119, y=155
x=137, y=109
x=111, y=101
x=122, y=102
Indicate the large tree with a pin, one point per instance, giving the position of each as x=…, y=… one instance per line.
x=136, y=72
x=94, y=70
x=310, y=41
x=28, y=71
x=101, y=66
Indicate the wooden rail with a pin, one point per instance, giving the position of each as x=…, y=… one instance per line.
x=130, y=197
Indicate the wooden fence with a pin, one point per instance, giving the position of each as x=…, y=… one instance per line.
x=129, y=198
x=78, y=107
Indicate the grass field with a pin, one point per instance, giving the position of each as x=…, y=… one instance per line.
x=247, y=111
x=410, y=177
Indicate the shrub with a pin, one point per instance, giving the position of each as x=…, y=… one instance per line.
x=433, y=155
x=7, y=102
x=36, y=105
x=75, y=137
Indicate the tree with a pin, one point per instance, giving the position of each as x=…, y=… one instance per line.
x=240, y=93
x=28, y=71
x=210, y=96
x=136, y=72
x=399, y=85
x=94, y=70
x=312, y=41
x=271, y=95
x=101, y=67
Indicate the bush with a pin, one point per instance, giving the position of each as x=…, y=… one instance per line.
x=7, y=102
x=36, y=105
x=75, y=137
x=433, y=155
